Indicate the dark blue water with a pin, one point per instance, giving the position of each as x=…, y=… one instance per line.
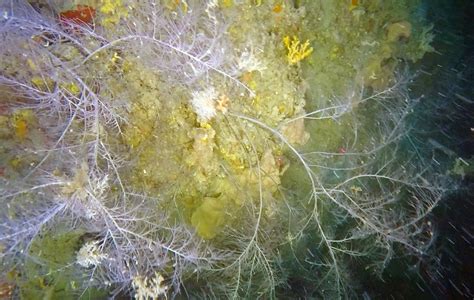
x=443, y=132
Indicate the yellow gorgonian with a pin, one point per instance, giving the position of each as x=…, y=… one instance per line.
x=296, y=50
x=113, y=11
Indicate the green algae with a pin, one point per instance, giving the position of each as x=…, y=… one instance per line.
x=51, y=270
x=364, y=48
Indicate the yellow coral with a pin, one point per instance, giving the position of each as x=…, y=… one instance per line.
x=21, y=122
x=113, y=11
x=226, y=3
x=42, y=83
x=296, y=50
x=71, y=87
x=175, y=5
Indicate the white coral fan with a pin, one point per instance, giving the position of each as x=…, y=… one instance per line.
x=90, y=255
x=149, y=289
x=204, y=103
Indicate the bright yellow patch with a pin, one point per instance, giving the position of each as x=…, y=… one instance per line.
x=296, y=50
x=278, y=8
x=21, y=121
x=113, y=11
x=226, y=3
x=43, y=84
x=72, y=88
x=175, y=5
x=354, y=5
x=21, y=129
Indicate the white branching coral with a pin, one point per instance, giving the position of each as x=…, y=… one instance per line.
x=204, y=103
x=146, y=288
x=90, y=255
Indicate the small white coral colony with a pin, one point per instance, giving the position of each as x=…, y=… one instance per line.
x=248, y=61
x=204, y=103
x=90, y=255
x=146, y=288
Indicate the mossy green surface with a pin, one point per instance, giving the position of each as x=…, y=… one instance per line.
x=51, y=271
